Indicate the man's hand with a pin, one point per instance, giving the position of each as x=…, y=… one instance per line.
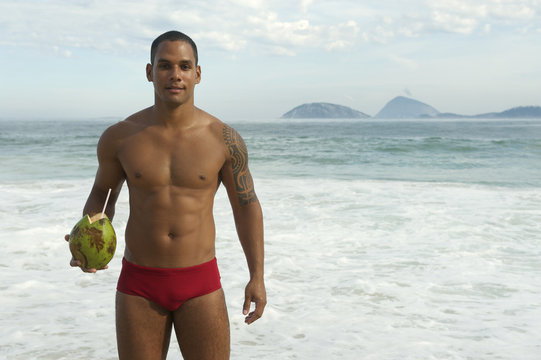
x=254, y=292
x=77, y=263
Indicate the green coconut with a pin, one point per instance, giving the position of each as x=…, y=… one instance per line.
x=92, y=241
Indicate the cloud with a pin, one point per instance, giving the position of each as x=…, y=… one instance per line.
x=72, y=26
x=61, y=52
x=411, y=29
x=301, y=33
x=222, y=40
x=281, y=27
x=254, y=4
x=304, y=5
x=124, y=27
x=404, y=62
x=270, y=28
x=380, y=35
x=280, y=50
x=454, y=23
x=465, y=16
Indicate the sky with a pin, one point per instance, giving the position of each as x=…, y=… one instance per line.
x=259, y=59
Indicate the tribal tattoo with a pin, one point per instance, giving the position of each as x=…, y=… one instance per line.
x=239, y=163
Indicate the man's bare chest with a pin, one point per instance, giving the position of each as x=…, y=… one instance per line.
x=181, y=161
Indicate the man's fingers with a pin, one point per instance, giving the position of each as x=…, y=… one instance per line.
x=77, y=263
x=256, y=314
x=254, y=293
x=246, y=306
x=253, y=316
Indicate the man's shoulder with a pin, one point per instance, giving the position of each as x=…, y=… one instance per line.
x=228, y=136
x=131, y=123
x=214, y=124
x=208, y=119
x=218, y=126
x=125, y=128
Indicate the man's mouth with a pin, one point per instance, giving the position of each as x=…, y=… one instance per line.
x=174, y=89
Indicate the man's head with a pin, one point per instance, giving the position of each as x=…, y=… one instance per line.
x=173, y=69
x=172, y=36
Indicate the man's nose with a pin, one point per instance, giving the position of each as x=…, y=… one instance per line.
x=175, y=73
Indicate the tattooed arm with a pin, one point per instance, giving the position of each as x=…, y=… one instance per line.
x=248, y=219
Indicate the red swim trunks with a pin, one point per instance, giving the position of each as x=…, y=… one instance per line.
x=169, y=287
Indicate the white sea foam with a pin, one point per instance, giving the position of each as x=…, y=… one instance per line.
x=354, y=269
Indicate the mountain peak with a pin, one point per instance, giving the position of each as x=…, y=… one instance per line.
x=403, y=107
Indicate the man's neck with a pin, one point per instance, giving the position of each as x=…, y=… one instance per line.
x=181, y=116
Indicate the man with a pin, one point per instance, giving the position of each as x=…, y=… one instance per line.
x=173, y=157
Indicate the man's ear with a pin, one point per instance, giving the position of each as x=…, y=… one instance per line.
x=149, y=72
x=198, y=74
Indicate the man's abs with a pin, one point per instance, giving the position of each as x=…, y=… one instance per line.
x=170, y=228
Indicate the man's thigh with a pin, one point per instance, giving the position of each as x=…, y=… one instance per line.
x=143, y=329
x=202, y=327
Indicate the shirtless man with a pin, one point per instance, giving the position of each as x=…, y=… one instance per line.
x=173, y=156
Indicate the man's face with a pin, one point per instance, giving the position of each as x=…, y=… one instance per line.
x=174, y=72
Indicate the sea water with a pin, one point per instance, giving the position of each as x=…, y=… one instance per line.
x=384, y=240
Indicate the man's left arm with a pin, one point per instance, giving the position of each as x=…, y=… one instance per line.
x=248, y=219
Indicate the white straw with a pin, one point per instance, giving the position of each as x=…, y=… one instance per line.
x=105, y=205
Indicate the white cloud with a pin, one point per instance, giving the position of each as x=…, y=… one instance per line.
x=129, y=26
x=305, y=4
x=465, y=16
x=404, y=62
x=523, y=10
x=254, y=4
x=280, y=50
x=61, y=52
x=412, y=29
x=280, y=27
x=221, y=40
x=342, y=35
x=268, y=27
x=301, y=33
x=424, y=44
x=380, y=35
x=454, y=23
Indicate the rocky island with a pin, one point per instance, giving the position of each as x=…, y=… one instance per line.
x=402, y=108
x=521, y=112
x=322, y=110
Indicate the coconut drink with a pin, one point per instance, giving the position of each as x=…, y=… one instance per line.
x=92, y=240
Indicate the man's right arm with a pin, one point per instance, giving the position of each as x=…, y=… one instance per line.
x=248, y=217
x=110, y=175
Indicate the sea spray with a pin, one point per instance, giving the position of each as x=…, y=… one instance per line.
x=384, y=240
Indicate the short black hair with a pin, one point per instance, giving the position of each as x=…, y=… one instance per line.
x=172, y=36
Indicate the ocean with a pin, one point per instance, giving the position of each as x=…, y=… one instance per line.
x=385, y=239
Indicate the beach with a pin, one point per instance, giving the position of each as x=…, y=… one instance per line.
x=385, y=239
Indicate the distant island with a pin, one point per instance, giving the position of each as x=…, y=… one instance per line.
x=524, y=112
x=401, y=108
x=322, y=110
